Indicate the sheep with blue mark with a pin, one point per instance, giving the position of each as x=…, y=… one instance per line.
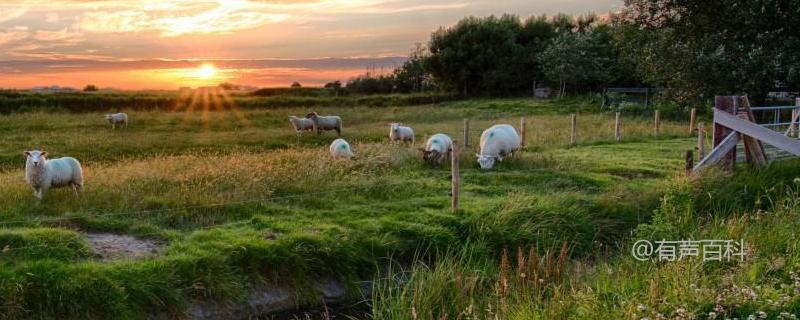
x=437, y=149
x=497, y=142
x=341, y=149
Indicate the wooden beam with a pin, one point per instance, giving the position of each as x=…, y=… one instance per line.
x=720, y=151
x=767, y=136
x=692, y=120
x=573, y=136
x=617, y=131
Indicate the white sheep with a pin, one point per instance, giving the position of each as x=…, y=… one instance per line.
x=42, y=174
x=341, y=149
x=301, y=124
x=117, y=118
x=437, y=149
x=400, y=133
x=497, y=142
x=326, y=123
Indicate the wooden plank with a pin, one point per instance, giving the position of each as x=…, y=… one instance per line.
x=753, y=130
x=720, y=151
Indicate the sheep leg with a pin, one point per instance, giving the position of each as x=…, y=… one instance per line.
x=38, y=193
x=78, y=188
x=338, y=131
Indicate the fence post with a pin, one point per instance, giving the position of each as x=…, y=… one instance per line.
x=455, y=178
x=692, y=120
x=795, y=113
x=728, y=104
x=466, y=133
x=522, y=130
x=573, y=137
x=701, y=141
x=617, y=133
x=657, y=122
x=689, y=162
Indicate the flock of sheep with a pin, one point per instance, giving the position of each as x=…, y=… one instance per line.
x=497, y=142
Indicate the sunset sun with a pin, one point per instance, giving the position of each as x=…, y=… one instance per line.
x=206, y=72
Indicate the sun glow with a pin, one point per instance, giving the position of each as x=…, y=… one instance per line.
x=206, y=72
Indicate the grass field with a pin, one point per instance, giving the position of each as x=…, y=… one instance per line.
x=239, y=201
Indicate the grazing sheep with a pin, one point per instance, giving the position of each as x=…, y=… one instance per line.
x=117, y=118
x=326, y=123
x=437, y=149
x=497, y=142
x=42, y=174
x=301, y=124
x=400, y=133
x=341, y=149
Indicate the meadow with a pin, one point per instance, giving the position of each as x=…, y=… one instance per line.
x=237, y=201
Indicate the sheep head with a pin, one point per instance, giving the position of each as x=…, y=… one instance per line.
x=486, y=162
x=35, y=157
x=312, y=115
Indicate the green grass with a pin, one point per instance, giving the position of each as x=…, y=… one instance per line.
x=239, y=200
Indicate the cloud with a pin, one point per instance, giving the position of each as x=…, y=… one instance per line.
x=12, y=12
x=172, y=19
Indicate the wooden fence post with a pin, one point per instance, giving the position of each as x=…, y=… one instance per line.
x=522, y=130
x=617, y=133
x=689, y=162
x=466, y=133
x=701, y=140
x=795, y=113
x=692, y=120
x=728, y=104
x=573, y=137
x=657, y=123
x=455, y=178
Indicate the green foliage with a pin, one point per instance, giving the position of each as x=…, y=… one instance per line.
x=702, y=49
x=488, y=56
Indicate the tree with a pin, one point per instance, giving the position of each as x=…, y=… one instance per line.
x=574, y=58
x=335, y=87
x=296, y=85
x=90, y=88
x=473, y=56
x=228, y=86
x=412, y=76
x=698, y=49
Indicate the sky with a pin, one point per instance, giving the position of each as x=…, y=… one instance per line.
x=166, y=44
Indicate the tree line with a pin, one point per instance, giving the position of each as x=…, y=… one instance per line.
x=691, y=50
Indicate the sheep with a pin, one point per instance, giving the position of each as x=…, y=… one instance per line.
x=400, y=133
x=42, y=174
x=301, y=124
x=496, y=143
x=326, y=123
x=117, y=118
x=437, y=149
x=341, y=149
